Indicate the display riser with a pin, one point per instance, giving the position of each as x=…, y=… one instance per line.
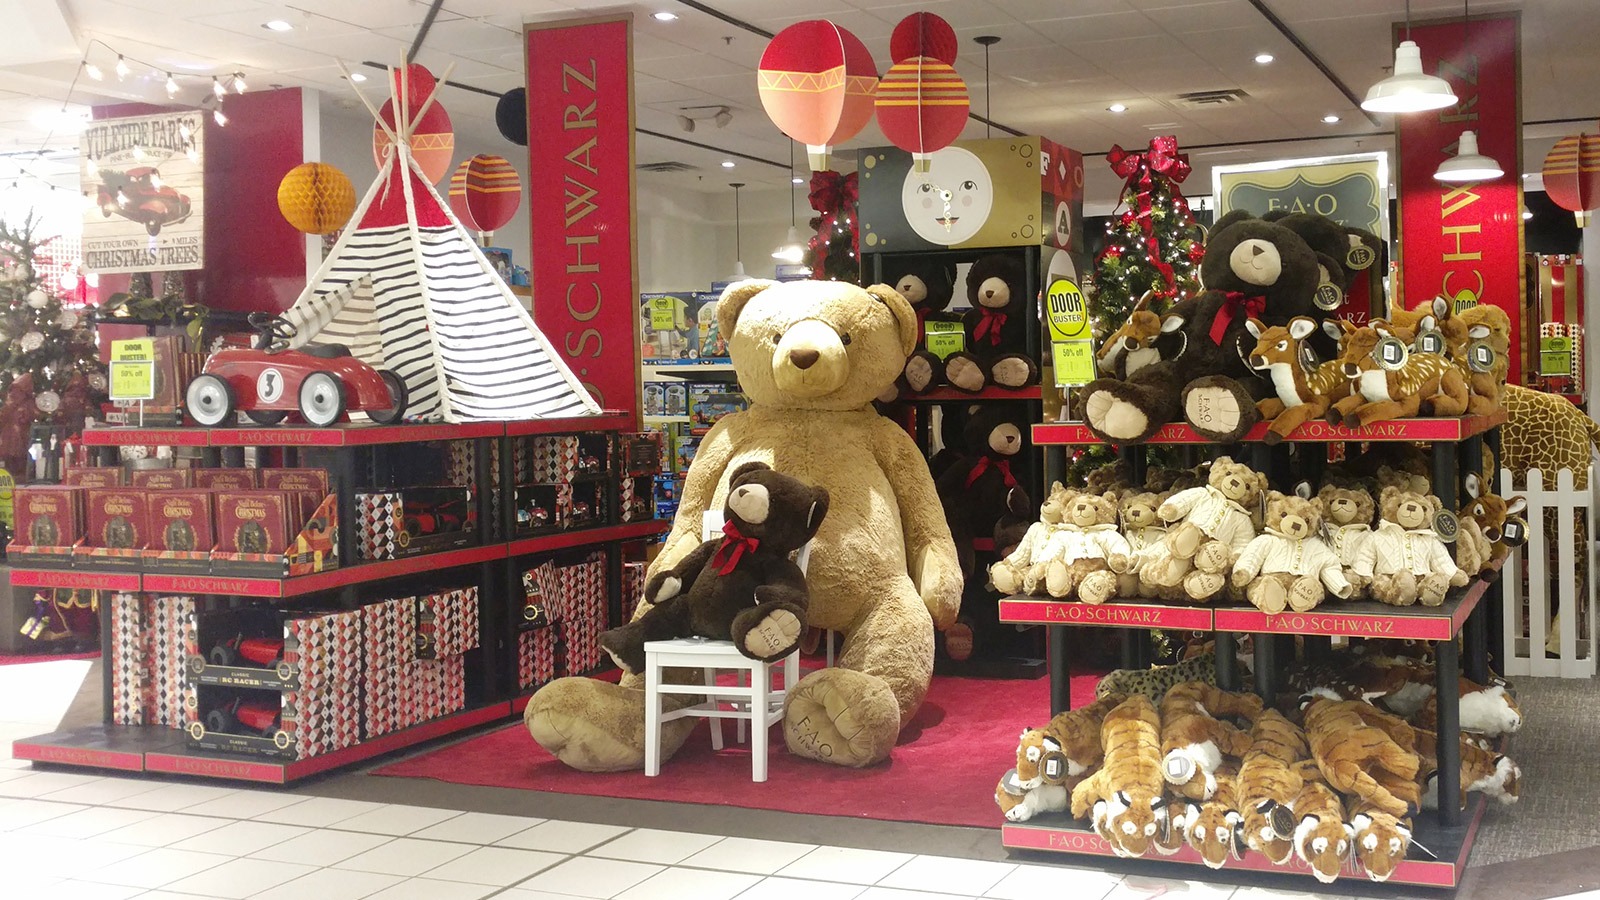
x=1054, y=835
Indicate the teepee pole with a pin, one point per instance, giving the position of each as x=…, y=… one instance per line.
x=368, y=103
x=434, y=95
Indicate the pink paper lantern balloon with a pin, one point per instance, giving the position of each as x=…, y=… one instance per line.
x=1572, y=173
x=817, y=84
x=923, y=34
x=485, y=192
x=922, y=107
x=433, y=140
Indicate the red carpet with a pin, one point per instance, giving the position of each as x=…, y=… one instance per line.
x=7, y=659
x=943, y=772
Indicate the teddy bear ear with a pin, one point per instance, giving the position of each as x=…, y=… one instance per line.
x=904, y=315
x=747, y=469
x=818, y=510
x=733, y=299
x=1303, y=490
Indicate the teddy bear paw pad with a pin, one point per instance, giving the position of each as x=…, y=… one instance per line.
x=919, y=373
x=1012, y=373
x=777, y=633
x=1114, y=418
x=964, y=374
x=1213, y=409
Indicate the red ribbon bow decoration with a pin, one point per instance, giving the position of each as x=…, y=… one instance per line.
x=990, y=321
x=734, y=545
x=833, y=195
x=984, y=462
x=1233, y=304
x=1139, y=170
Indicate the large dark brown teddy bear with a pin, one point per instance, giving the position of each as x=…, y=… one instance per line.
x=742, y=588
x=982, y=496
x=929, y=285
x=997, y=328
x=1252, y=268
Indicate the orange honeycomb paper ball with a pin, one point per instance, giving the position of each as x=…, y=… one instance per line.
x=316, y=198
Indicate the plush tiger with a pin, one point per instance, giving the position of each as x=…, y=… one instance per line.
x=1269, y=779
x=1482, y=769
x=1322, y=840
x=1215, y=827
x=1124, y=796
x=1195, y=737
x=1366, y=752
x=1075, y=735
x=1156, y=681
x=1171, y=827
x=1019, y=804
x=1489, y=710
x=1380, y=839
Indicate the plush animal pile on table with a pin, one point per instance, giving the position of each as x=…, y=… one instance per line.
x=1333, y=775
x=1216, y=531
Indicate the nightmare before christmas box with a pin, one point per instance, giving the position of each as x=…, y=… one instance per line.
x=182, y=535
x=49, y=522
x=94, y=476
x=226, y=479
x=162, y=479
x=116, y=529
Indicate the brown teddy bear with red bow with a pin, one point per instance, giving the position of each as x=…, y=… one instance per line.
x=743, y=587
x=997, y=328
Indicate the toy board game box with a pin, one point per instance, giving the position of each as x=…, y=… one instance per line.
x=116, y=529
x=708, y=403
x=49, y=522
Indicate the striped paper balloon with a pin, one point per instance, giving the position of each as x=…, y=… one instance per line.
x=1572, y=172
x=922, y=106
x=485, y=192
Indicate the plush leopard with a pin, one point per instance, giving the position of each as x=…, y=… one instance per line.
x=1157, y=680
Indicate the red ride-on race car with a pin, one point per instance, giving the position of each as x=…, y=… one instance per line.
x=270, y=381
x=241, y=715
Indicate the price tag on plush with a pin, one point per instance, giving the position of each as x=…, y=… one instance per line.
x=944, y=338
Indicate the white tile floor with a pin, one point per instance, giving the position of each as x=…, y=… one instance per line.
x=67, y=835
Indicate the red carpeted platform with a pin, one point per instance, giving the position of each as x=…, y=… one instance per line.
x=943, y=772
x=7, y=659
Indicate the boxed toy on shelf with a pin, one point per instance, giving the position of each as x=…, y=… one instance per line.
x=667, y=327
x=708, y=403
x=49, y=522
x=414, y=521
x=255, y=647
x=447, y=623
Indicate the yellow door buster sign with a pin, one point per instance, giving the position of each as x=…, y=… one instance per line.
x=1071, y=339
x=133, y=369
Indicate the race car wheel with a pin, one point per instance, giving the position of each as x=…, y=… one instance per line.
x=223, y=655
x=209, y=400
x=218, y=720
x=321, y=399
x=266, y=416
x=397, y=400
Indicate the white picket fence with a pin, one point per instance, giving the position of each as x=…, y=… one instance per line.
x=1528, y=627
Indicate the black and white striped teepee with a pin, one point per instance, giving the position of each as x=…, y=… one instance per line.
x=406, y=288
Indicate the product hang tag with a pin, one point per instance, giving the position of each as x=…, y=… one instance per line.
x=1073, y=362
x=1282, y=819
x=1430, y=342
x=1164, y=827
x=1329, y=296
x=1179, y=769
x=1390, y=354
x=1309, y=361
x=1480, y=357
x=1054, y=766
x=1515, y=533
x=1238, y=845
x=1360, y=257
x=1446, y=526
x=1011, y=785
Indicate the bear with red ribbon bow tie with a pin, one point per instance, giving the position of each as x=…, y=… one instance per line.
x=1253, y=268
x=742, y=587
x=997, y=328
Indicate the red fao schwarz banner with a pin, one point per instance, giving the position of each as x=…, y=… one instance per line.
x=1464, y=240
x=580, y=200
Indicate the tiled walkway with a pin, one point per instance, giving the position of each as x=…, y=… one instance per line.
x=67, y=835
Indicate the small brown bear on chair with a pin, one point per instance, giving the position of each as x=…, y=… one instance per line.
x=743, y=588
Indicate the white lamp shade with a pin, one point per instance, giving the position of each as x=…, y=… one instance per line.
x=1468, y=164
x=1408, y=89
x=791, y=250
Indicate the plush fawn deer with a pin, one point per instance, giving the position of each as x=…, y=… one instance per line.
x=1484, y=392
x=1384, y=394
x=1134, y=345
x=1305, y=388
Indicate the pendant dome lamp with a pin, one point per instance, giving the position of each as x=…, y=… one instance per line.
x=738, y=245
x=791, y=250
x=1468, y=164
x=1408, y=89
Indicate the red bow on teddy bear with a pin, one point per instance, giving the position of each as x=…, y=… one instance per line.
x=734, y=545
x=984, y=462
x=1233, y=304
x=989, y=324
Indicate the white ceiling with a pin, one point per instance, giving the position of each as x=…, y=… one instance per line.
x=1059, y=64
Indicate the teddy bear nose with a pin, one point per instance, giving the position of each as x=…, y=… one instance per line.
x=804, y=359
x=1255, y=250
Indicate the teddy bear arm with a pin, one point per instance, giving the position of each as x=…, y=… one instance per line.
x=1252, y=557
x=930, y=551
x=1332, y=575
x=685, y=571
x=1178, y=505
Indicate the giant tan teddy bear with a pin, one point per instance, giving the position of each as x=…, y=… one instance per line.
x=811, y=356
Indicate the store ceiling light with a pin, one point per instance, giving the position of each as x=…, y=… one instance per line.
x=93, y=71
x=122, y=67
x=1264, y=58
x=727, y=164
x=1468, y=164
x=1329, y=119
x=1409, y=89
x=172, y=85
x=238, y=83
x=797, y=180
x=1117, y=107
x=791, y=250
x=357, y=77
x=277, y=25
x=664, y=16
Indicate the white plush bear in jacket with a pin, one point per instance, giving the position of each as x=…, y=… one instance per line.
x=1289, y=565
x=1214, y=528
x=1085, y=552
x=1347, y=514
x=1022, y=570
x=1406, y=560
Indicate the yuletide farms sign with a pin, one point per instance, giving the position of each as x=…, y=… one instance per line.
x=581, y=198
x=1464, y=240
x=145, y=177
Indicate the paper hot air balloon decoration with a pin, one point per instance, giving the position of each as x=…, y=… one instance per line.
x=1572, y=174
x=485, y=193
x=817, y=83
x=433, y=142
x=922, y=103
x=316, y=198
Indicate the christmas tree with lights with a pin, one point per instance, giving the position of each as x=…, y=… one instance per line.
x=1152, y=244
x=833, y=253
x=50, y=370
